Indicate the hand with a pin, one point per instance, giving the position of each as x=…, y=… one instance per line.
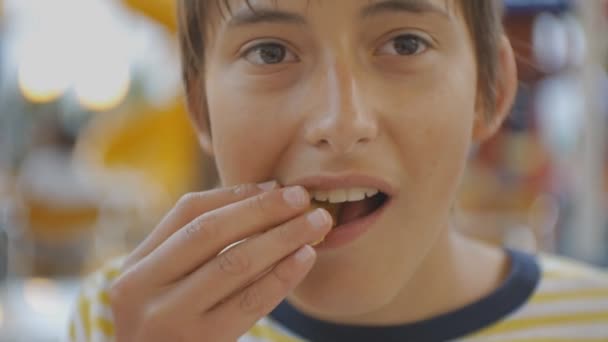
x=183, y=284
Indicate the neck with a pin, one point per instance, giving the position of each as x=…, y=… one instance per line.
x=457, y=271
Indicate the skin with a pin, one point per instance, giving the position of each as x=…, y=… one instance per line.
x=342, y=100
x=345, y=100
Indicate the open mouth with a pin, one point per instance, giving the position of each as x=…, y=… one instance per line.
x=348, y=205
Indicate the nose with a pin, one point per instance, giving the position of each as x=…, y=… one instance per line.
x=342, y=123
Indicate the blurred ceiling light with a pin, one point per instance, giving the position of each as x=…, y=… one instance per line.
x=103, y=85
x=74, y=44
x=550, y=42
x=42, y=296
x=42, y=76
x=559, y=105
x=577, y=41
x=44, y=53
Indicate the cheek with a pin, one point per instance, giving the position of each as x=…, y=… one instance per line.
x=434, y=133
x=249, y=134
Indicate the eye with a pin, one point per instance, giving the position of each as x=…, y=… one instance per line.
x=269, y=53
x=404, y=45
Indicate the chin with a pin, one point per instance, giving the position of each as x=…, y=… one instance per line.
x=349, y=284
x=344, y=295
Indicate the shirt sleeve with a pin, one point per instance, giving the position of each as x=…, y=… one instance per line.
x=91, y=317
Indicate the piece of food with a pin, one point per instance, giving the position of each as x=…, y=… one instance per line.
x=332, y=209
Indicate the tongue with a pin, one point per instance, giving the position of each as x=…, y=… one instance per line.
x=351, y=211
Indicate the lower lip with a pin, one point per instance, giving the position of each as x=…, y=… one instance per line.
x=347, y=233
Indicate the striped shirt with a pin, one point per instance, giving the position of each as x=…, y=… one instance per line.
x=544, y=298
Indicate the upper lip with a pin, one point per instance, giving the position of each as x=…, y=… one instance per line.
x=345, y=180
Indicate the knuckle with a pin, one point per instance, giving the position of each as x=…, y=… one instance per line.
x=283, y=277
x=203, y=227
x=154, y=316
x=161, y=322
x=259, y=203
x=118, y=291
x=186, y=202
x=285, y=234
x=120, y=298
x=251, y=301
x=244, y=189
x=130, y=260
x=233, y=262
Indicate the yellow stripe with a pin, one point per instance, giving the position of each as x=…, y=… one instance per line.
x=84, y=307
x=555, y=274
x=570, y=274
x=111, y=274
x=104, y=298
x=578, y=339
x=569, y=295
x=104, y=325
x=536, y=322
x=72, y=331
x=261, y=331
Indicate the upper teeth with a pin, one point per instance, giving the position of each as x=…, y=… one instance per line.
x=343, y=195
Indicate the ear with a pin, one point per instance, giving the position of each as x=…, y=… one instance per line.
x=487, y=124
x=199, y=115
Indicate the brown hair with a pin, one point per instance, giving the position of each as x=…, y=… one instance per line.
x=483, y=17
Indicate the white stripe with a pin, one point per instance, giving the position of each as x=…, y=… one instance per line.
x=562, y=307
x=90, y=289
x=569, y=268
x=571, y=284
x=564, y=332
x=78, y=328
x=85, y=294
x=99, y=309
x=248, y=338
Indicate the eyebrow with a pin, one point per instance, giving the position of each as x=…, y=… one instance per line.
x=248, y=16
x=410, y=6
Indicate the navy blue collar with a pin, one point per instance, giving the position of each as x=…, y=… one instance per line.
x=519, y=285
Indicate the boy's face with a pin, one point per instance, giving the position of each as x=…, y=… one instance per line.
x=380, y=88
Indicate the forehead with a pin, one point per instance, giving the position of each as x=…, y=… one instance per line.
x=223, y=11
x=253, y=3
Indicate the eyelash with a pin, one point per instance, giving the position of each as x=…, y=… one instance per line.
x=286, y=52
x=423, y=43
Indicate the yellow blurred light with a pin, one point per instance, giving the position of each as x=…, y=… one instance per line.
x=159, y=10
x=103, y=87
x=1, y=316
x=40, y=79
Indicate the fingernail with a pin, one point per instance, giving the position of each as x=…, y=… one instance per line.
x=268, y=185
x=318, y=218
x=296, y=197
x=304, y=254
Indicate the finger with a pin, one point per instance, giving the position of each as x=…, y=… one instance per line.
x=191, y=206
x=207, y=235
x=244, y=309
x=240, y=265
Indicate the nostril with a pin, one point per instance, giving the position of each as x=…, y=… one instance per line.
x=323, y=143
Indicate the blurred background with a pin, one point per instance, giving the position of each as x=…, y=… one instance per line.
x=95, y=144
